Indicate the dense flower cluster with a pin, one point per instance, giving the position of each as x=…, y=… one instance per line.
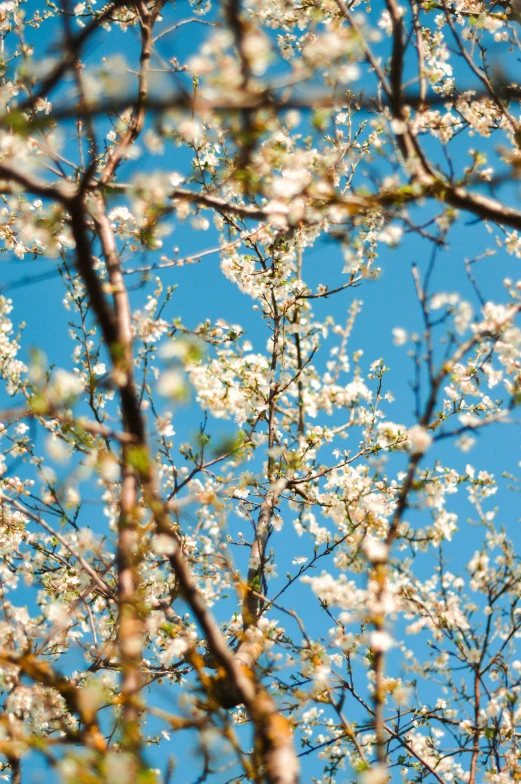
x=333, y=568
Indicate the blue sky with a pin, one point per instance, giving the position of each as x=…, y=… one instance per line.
x=390, y=301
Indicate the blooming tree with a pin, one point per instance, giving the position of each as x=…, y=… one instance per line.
x=297, y=598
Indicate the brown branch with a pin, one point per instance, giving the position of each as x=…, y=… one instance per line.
x=131, y=626
x=310, y=100
x=59, y=192
x=102, y=586
x=71, y=56
x=42, y=672
x=147, y=21
x=250, y=606
x=272, y=730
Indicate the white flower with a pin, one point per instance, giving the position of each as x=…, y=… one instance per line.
x=292, y=182
x=465, y=443
x=191, y=130
x=241, y=492
x=402, y=695
x=58, y=613
x=270, y=570
x=200, y=65
x=176, y=179
x=72, y=496
x=400, y=336
x=64, y=386
x=57, y=449
x=172, y=384
x=175, y=650
x=391, y=235
x=376, y=551
x=378, y=774
x=258, y=50
x=162, y=544
x=380, y=641
x=473, y=655
x=120, y=767
x=398, y=127
x=420, y=439
x=175, y=349
x=109, y=467
x=91, y=696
